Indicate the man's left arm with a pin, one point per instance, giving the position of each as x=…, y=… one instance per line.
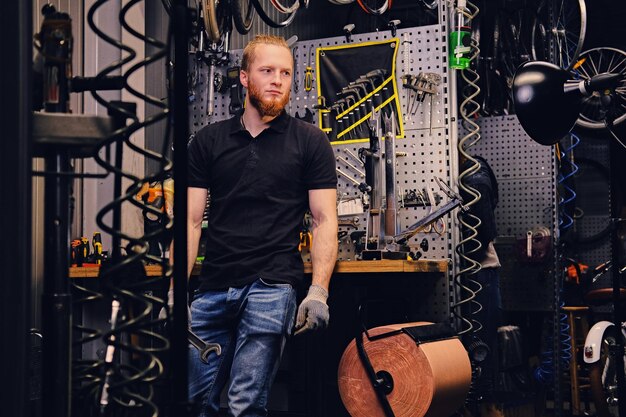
x=313, y=311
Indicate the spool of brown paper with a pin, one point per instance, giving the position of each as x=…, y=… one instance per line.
x=429, y=380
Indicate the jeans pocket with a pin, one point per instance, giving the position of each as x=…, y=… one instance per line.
x=275, y=284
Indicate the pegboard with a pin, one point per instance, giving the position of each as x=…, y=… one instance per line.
x=426, y=143
x=526, y=175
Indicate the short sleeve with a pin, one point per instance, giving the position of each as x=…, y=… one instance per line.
x=199, y=162
x=320, y=168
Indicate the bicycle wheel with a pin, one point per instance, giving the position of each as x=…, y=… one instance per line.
x=565, y=32
x=268, y=20
x=375, y=7
x=515, y=33
x=603, y=378
x=597, y=61
x=212, y=27
x=243, y=12
x=284, y=8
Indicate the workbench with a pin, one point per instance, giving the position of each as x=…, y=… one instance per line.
x=341, y=267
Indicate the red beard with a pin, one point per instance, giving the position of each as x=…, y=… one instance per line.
x=266, y=106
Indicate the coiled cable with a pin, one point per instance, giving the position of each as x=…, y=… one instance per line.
x=468, y=244
x=544, y=373
x=110, y=385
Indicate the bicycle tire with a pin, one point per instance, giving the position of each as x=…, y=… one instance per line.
x=286, y=9
x=515, y=41
x=372, y=10
x=596, y=370
x=597, y=61
x=211, y=26
x=242, y=16
x=567, y=33
x=268, y=20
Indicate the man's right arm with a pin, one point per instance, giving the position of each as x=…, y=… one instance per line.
x=196, y=205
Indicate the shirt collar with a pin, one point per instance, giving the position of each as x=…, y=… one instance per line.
x=279, y=124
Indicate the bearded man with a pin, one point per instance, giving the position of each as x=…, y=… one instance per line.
x=264, y=170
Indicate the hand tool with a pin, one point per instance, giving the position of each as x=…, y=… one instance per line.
x=203, y=347
x=354, y=222
x=348, y=177
x=96, y=241
x=308, y=73
x=356, y=158
x=306, y=240
x=393, y=26
x=77, y=252
x=296, y=81
x=350, y=165
x=347, y=31
x=236, y=89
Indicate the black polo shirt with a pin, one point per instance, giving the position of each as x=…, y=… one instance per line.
x=259, y=194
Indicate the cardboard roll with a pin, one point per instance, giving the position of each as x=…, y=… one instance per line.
x=428, y=380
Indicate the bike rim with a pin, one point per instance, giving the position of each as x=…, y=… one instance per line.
x=571, y=26
x=566, y=33
x=374, y=8
x=211, y=26
x=593, y=62
x=242, y=16
x=268, y=20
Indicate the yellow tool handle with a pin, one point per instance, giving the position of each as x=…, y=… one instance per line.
x=308, y=79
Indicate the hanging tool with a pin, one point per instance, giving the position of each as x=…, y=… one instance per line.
x=236, y=89
x=203, y=347
x=391, y=209
x=210, y=88
x=296, y=80
x=393, y=26
x=356, y=158
x=423, y=84
x=307, y=117
x=353, y=222
x=347, y=32
x=308, y=73
x=350, y=165
x=348, y=177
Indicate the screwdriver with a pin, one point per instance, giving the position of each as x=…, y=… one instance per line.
x=96, y=241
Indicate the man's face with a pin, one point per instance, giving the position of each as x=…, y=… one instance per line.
x=268, y=79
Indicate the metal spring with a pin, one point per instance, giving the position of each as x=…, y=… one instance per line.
x=109, y=386
x=544, y=373
x=468, y=244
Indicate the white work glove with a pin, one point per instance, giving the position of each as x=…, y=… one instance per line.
x=313, y=311
x=170, y=306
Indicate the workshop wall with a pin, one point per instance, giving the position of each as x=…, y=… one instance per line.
x=427, y=143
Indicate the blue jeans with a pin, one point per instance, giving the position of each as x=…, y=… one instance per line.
x=251, y=324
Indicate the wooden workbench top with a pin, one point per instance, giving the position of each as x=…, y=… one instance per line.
x=341, y=267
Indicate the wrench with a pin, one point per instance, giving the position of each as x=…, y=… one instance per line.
x=203, y=347
x=354, y=222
